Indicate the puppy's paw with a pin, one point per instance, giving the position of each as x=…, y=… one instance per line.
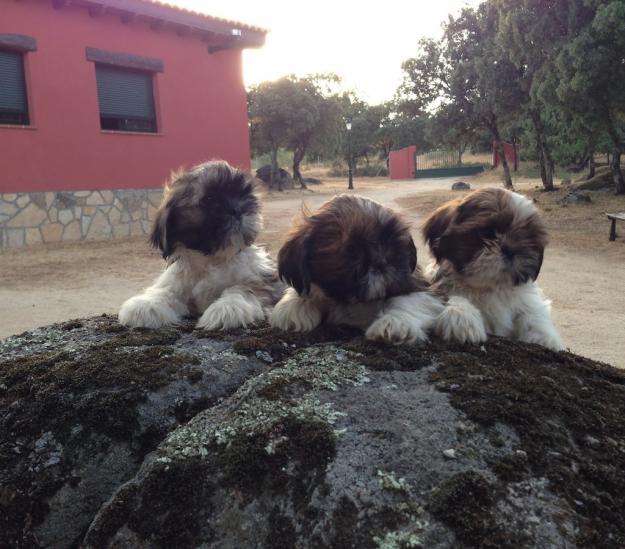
x=548, y=338
x=395, y=329
x=294, y=314
x=461, y=321
x=143, y=312
x=231, y=312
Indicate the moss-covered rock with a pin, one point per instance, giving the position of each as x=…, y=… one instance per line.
x=81, y=404
x=256, y=438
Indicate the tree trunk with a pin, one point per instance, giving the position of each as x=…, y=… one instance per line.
x=544, y=151
x=507, y=178
x=387, y=154
x=460, y=151
x=298, y=156
x=502, y=156
x=617, y=172
x=274, y=170
x=615, y=162
x=591, y=166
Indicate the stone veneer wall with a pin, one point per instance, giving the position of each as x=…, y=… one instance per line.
x=42, y=217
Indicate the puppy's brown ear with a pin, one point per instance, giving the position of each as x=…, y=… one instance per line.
x=436, y=225
x=158, y=236
x=293, y=260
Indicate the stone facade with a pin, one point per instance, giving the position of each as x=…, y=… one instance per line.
x=43, y=217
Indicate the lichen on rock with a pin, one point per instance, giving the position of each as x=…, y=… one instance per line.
x=257, y=438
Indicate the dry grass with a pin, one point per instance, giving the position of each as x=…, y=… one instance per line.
x=583, y=226
x=330, y=186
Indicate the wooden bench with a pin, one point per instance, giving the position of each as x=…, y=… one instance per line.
x=621, y=217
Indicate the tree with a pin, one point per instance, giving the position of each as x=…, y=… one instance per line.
x=296, y=114
x=366, y=122
x=531, y=33
x=591, y=66
x=270, y=117
x=398, y=129
x=465, y=79
x=580, y=134
x=425, y=79
x=449, y=128
x=316, y=118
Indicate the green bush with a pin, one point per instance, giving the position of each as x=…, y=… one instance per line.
x=285, y=158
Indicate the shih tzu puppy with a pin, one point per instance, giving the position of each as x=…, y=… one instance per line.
x=489, y=250
x=354, y=262
x=205, y=228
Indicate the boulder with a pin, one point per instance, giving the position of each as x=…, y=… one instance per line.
x=460, y=186
x=576, y=197
x=264, y=174
x=256, y=438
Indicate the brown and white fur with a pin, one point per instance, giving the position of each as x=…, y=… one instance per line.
x=489, y=250
x=354, y=262
x=205, y=229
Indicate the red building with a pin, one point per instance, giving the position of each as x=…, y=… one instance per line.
x=111, y=94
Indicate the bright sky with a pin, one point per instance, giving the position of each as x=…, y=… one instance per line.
x=364, y=44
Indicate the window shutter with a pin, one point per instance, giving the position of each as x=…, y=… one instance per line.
x=125, y=93
x=12, y=85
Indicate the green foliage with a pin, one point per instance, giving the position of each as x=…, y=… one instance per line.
x=590, y=72
x=294, y=114
x=464, y=81
x=364, y=135
x=425, y=78
x=284, y=159
x=306, y=117
x=550, y=74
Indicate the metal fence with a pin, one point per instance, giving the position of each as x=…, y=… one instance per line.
x=438, y=159
x=441, y=163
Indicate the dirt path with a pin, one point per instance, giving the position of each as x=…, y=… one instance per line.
x=43, y=285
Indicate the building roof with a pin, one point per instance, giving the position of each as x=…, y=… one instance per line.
x=193, y=13
x=217, y=32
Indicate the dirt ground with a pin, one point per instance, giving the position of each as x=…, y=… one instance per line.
x=582, y=273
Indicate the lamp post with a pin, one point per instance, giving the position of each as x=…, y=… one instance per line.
x=348, y=125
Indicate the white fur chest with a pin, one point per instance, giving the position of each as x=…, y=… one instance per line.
x=200, y=280
x=501, y=308
x=498, y=310
x=210, y=282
